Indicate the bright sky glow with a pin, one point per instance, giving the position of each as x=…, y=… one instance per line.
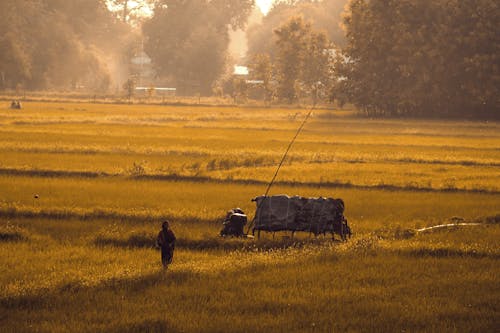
x=240, y=70
x=264, y=5
x=145, y=11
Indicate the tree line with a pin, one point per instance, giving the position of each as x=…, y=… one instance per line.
x=387, y=57
x=436, y=58
x=420, y=57
x=188, y=40
x=58, y=44
x=291, y=53
x=47, y=44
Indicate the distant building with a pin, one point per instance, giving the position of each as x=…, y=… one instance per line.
x=156, y=91
x=141, y=59
x=142, y=69
x=147, y=83
x=240, y=70
x=243, y=72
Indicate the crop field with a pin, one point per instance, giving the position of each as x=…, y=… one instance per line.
x=84, y=188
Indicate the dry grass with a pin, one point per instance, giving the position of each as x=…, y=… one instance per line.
x=437, y=282
x=81, y=256
x=229, y=143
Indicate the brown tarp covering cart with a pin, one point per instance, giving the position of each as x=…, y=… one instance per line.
x=316, y=215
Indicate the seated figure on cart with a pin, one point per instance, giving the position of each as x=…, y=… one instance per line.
x=234, y=223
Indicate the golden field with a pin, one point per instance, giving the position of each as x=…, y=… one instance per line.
x=81, y=256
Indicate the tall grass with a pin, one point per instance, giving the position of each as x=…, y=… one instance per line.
x=362, y=285
x=231, y=143
x=151, y=199
x=80, y=256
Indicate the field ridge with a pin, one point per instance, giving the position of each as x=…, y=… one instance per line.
x=230, y=180
x=85, y=188
x=92, y=214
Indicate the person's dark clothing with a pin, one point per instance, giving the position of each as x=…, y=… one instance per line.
x=166, y=241
x=167, y=254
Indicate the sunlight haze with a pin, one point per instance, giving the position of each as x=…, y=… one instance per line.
x=264, y=5
x=249, y=166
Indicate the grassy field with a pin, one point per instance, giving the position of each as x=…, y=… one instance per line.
x=80, y=257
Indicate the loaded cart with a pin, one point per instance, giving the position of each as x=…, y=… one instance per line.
x=296, y=213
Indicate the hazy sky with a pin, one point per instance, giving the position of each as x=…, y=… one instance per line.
x=264, y=5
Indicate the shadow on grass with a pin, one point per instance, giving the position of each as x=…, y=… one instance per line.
x=454, y=224
x=46, y=298
x=75, y=291
x=208, y=179
x=12, y=237
x=448, y=253
x=134, y=241
x=219, y=243
x=12, y=233
x=14, y=212
x=148, y=325
x=495, y=219
x=245, y=244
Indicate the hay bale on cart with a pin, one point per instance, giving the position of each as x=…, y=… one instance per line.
x=296, y=213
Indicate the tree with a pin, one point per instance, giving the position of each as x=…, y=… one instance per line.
x=260, y=68
x=15, y=63
x=303, y=60
x=315, y=73
x=131, y=11
x=192, y=54
x=239, y=89
x=323, y=15
x=129, y=87
x=291, y=42
x=432, y=58
x=201, y=59
x=56, y=43
x=233, y=12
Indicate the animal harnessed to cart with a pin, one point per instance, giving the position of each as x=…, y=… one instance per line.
x=315, y=215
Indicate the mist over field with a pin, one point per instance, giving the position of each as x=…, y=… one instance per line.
x=323, y=165
x=402, y=58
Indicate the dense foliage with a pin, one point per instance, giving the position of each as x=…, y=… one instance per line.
x=302, y=61
x=419, y=57
x=57, y=44
x=302, y=66
x=188, y=40
x=323, y=15
x=412, y=58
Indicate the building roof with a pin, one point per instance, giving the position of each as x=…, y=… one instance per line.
x=141, y=59
x=240, y=70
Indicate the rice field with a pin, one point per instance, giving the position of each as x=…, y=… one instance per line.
x=84, y=187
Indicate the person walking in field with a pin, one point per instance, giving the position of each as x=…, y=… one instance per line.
x=166, y=241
